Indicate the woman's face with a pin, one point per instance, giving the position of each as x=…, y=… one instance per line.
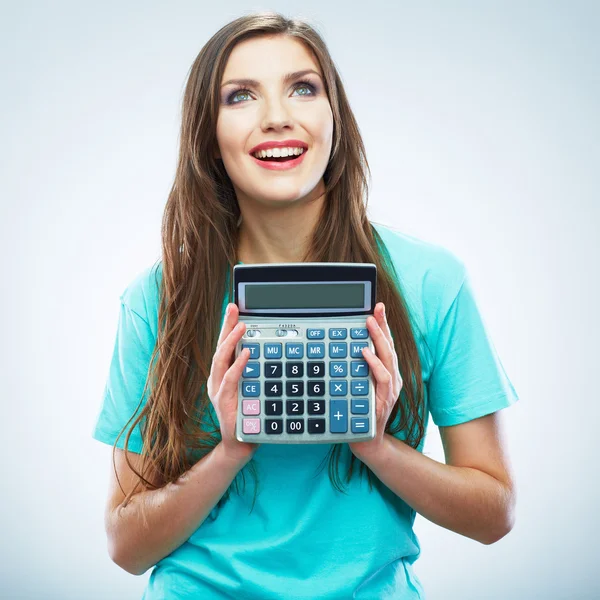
x=273, y=109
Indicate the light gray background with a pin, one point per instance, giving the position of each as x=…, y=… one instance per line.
x=482, y=131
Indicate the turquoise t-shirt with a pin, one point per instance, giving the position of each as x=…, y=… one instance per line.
x=304, y=539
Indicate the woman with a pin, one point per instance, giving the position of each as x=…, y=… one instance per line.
x=175, y=499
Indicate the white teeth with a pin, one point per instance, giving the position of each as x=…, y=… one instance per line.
x=278, y=152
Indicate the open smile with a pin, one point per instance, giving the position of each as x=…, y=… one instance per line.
x=279, y=163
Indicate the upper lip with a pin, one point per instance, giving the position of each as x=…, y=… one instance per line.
x=282, y=144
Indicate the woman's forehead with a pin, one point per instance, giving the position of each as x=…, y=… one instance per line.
x=268, y=57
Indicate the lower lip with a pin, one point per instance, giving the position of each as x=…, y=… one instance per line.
x=279, y=166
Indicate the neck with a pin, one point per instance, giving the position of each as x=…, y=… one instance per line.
x=278, y=236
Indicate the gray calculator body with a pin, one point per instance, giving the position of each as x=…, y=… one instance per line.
x=306, y=381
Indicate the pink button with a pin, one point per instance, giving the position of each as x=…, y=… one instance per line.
x=251, y=426
x=251, y=407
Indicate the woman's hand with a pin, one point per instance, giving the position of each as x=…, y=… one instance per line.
x=384, y=366
x=222, y=384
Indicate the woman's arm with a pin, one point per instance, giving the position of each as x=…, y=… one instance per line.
x=473, y=494
x=156, y=522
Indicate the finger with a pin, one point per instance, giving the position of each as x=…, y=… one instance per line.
x=382, y=345
x=384, y=326
x=381, y=373
x=382, y=321
x=222, y=357
x=234, y=372
x=229, y=322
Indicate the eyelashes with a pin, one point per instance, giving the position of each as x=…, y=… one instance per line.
x=239, y=90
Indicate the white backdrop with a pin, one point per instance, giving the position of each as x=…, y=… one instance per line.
x=482, y=131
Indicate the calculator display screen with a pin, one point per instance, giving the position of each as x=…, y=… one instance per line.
x=305, y=295
x=312, y=290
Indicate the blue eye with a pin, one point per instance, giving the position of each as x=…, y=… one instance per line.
x=244, y=91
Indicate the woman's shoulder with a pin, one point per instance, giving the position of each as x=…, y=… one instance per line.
x=142, y=294
x=419, y=262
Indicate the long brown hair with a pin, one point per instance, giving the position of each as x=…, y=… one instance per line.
x=199, y=250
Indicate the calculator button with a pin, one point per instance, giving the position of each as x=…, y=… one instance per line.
x=356, y=349
x=338, y=350
x=315, y=334
x=338, y=416
x=273, y=369
x=338, y=369
x=254, y=350
x=250, y=407
x=360, y=387
x=359, y=334
x=360, y=407
x=359, y=368
x=316, y=388
x=338, y=334
x=294, y=350
x=273, y=351
x=338, y=388
x=295, y=425
x=250, y=388
x=273, y=407
x=251, y=333
x=273, y=388
x=316, y=369
x=251, y=425
x=315, y=350
x=316, y=425
x=294, y=407
x=316, y=407
x=252, y=369
x=294, y=369
x=360, y=425
x=274, y=426
x=294, y=388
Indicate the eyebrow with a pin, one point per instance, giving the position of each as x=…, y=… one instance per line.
x=286, y=78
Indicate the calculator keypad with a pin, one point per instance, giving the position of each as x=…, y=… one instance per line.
x=306, y=390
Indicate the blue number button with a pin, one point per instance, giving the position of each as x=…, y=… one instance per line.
x=294, y=350
x=315, y=350
x=254, y=350
x=252, y=369
x=360, y=425
x=359, y=334
x=315, y=334
x=338, y=369
x=273, y=351
x=338, y=416
x=250, y=389
x=360, y=387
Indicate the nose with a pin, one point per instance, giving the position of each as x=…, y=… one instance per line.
x=276, y=115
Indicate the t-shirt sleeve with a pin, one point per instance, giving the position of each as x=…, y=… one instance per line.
x=127, y=374
x=468, y=379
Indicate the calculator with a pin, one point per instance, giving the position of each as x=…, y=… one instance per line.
x=306, y=380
